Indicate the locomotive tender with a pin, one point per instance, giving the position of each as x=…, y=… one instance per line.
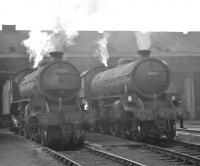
x=129, y=99
x=43, y=102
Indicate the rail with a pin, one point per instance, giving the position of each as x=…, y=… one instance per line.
x=114, y=157
x=178, y=152
x=66, y=158
x=189, y=130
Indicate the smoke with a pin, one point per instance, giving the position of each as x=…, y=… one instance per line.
x=143, y=40
x=102, y=52
x=40, y=43
x=63, y=29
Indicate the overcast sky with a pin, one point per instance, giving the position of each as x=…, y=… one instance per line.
x=137, y=15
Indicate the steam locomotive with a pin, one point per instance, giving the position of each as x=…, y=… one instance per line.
x=43, y=102
x=129, y=100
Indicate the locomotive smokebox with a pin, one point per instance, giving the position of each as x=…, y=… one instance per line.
x=144, y=53
x=56, y=55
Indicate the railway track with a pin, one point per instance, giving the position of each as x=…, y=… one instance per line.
x=189, y=130
x=176, y=152
x=85, y=155
x=89, y=156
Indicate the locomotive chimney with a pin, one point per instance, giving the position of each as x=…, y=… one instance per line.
x=56, y=55
x=144, y=53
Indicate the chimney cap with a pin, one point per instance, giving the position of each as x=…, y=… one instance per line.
x=144, y=53
x=57, y=55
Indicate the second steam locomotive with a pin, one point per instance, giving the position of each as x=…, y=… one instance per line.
x=43, y=102
x=129, y=99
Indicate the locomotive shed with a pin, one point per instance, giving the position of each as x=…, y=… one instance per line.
x=179, y=50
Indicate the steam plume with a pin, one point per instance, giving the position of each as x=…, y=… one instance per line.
x=102, y=52
x=66, y=14
x=39, y=43
x=143, y=40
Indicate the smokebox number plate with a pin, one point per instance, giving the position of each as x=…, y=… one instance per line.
x=153, y=76
x=61, y=71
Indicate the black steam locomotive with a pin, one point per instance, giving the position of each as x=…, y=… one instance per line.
x=43, y=102
x=129, y=100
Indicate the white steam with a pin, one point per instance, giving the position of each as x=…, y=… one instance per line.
x=63, y=29
x=102, y=52
x=40, y=43
x=143, y=40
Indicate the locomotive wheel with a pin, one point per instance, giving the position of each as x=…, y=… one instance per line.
x=101, y=128
x=79, y=137
x=122, y=130
x=37, y=137
x=82, y=138
x=93, y=127
x=68, y=132
x=122, y=133
x=31, y=134
x=21, y=132
x=76, y=134
x=114, y=128
x=171, y=132
x=26, y=132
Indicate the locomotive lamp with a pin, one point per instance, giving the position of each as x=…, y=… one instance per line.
x=86, y=106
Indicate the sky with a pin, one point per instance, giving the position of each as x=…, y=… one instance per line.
x=101, y=15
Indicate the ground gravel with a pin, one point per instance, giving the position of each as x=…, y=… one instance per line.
x=126, y=148
x=17, y=151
